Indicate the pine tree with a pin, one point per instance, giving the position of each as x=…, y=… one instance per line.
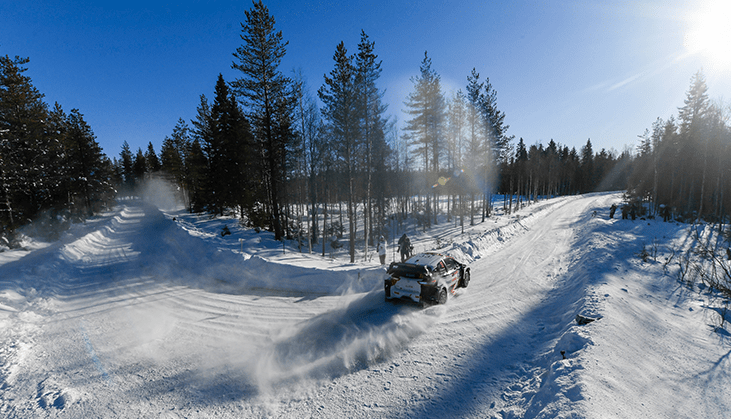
x=139, y=166
x=521, y=163
x=427, y=108
x=153, y=162
x=221, y=159
x=57, y=129
x=171, y=161
x=266, y=95
x=694, y=135
x=476, y=139
x=494, y=120
x=173, y=158
x=197, y=179
x=198, y=182
x=497, y=143
x=340, y=112
x=696, y=106
x=230, y=152
x=127, y=162
x=371, y=109
x=89, y=169
x=587, y=168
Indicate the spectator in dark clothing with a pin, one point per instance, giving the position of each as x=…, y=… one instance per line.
x=665, y=211
x=404, y=247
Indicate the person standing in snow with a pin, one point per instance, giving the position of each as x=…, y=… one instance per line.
x=665, y=211
x=381, y=248
x=612, y=210
x=404, y=247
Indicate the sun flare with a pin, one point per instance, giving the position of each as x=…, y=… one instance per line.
x=710, y=33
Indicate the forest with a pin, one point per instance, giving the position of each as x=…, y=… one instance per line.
x=279, y=157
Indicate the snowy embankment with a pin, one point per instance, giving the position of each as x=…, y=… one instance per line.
x=143, y=313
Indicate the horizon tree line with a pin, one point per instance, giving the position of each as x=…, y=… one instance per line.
x=348, y=152
x=264, y=151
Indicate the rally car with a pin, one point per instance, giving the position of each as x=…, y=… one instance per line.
x=426, y=278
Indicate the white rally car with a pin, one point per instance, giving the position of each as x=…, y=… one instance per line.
x=426, y=278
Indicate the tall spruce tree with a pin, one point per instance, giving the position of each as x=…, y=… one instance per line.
x=427, y=108
x=153, y=162
x=476, y=154
x=57, y=129
x=694, y=135
x=371, y=109
x=139, y=166
x=199, y=182
x=222, y=158
x=266, y=95
x=586, y=170
x=340, y=112
x=127, y=162
x=89, y=169
x=497, y=142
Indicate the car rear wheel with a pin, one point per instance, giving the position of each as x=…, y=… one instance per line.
x=442, y=297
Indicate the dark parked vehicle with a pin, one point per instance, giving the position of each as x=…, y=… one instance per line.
x=426, y=278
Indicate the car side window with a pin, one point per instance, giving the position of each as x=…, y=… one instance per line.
x=451, y=264
x=440, y=268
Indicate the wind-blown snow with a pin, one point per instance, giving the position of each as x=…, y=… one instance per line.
x=149, y=313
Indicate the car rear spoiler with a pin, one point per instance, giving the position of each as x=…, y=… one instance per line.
x=407, y=270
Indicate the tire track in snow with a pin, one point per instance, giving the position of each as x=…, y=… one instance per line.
x=90, y=350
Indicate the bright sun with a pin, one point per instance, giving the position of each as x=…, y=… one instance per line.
x=710, y=33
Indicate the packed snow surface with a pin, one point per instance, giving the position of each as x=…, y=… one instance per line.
x=143, y=312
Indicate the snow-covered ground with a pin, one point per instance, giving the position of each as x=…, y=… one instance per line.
x=149, y=313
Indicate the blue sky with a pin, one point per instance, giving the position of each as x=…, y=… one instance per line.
x=563, y=70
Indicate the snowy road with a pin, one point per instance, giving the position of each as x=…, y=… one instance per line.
x=137, y=315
